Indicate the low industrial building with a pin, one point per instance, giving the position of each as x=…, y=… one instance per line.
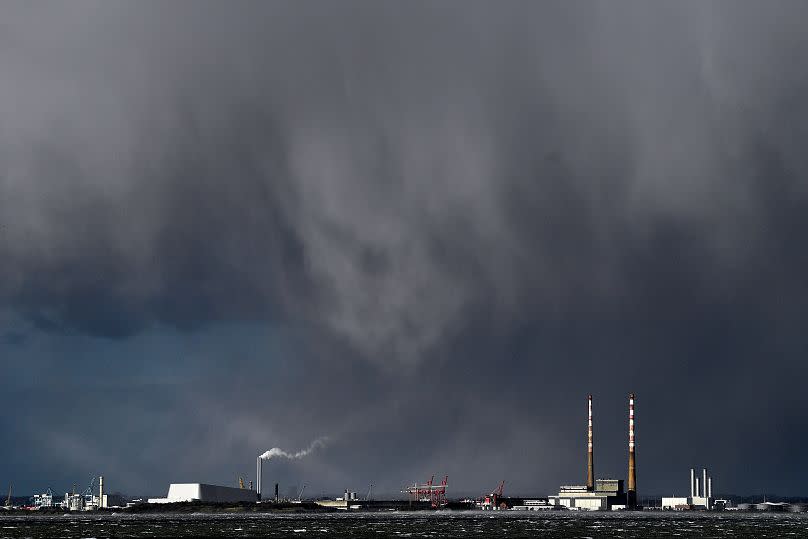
x=200, y=492
x=534, y=504
x=43, y=501
x=608, y=494
x=677, y=503
x=375, y=505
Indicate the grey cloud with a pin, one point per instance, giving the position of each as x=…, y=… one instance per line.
x=467, y=198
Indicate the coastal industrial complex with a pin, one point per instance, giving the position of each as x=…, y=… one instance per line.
x=596, y=494
x=92, y=498
x=701, y=494
x=601, y=494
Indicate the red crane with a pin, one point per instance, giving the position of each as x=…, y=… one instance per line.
x=492, y=500
x=430, y=492
x=439, y=499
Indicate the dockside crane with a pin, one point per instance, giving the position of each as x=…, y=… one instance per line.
x=300, y=494
x=8, y=500
x=89, y=493
x=370, y=489
x=492, y=500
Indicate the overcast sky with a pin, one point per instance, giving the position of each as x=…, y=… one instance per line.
x=426, y=230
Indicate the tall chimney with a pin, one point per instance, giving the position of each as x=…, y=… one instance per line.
x=590, y=464
x=692, y=483
x=697, y=487
x=277, y=497
x=704, y=488
x=710, y=487
x=631, y=498
x=258, y=478
x=101, y=491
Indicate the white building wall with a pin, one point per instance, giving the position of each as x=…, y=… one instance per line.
x=188, y=492
x=583, y=503
x=701, y=501
x=184, y=492
x=590, y=504
x=672, y=502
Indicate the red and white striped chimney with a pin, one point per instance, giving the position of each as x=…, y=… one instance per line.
x=631, y=500
x=590, y=468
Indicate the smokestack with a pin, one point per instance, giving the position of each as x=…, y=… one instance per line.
x=704, y=488
x=697, y=487
x=276, y=493
x=631, y=499
x=101, y=491
x=710, y=487
x=590, y=466
x=258, y=477
x=692, y=483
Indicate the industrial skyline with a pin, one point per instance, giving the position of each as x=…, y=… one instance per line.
x=424, y=230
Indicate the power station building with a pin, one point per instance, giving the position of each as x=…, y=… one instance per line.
x=701, y=494
x=200, y=492
x=601, y=494
x=608, y=494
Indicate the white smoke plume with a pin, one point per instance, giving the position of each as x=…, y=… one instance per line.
x=278, y=452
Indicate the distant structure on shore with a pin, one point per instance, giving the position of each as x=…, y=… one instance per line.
x=87, y=500
x=596, y=494
x=200, y=492
x=601, y=494
x=701, y=494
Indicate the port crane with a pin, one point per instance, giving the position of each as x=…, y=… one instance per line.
x=370, y=489
x=300, y=494
x=88, y=492
x=430, y=492
x=491, y=501
x=8, y=500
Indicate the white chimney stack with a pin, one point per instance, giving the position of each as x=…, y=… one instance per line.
x=258, y=478
x=704, y=482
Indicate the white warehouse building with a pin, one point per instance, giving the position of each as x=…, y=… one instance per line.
x=200, y=492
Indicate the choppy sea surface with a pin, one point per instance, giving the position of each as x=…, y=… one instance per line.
x=449, y=524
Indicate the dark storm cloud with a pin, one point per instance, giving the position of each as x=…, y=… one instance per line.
x=463, y=212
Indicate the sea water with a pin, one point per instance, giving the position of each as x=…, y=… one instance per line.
x=419, y=524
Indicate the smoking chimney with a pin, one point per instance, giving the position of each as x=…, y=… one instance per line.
x=590, y=464
x=258, y=478
x=631, y=499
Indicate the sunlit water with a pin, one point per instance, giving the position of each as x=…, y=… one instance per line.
x=450, y=524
